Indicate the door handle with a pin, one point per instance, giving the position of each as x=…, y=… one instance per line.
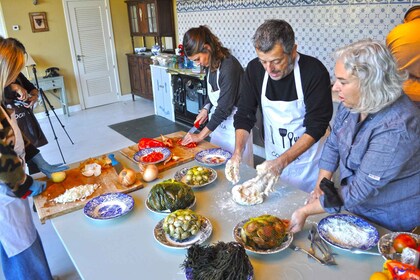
x=79, y=57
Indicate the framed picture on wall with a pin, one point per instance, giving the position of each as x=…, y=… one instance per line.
x=39, y=21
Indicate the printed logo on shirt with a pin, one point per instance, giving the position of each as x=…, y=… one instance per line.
x=374, y=177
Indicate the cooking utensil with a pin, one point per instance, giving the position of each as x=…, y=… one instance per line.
x=195, y=127
x=358, y=251
x=296, y=248
x=290, y=136
x=115, y=163
x=283, y=133
x=322, y=246
x=272, y=138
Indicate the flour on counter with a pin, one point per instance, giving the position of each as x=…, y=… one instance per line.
x=272, y=205
x=346, y=234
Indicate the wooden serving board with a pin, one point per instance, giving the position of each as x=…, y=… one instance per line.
x=185, y=154
x=108, y=181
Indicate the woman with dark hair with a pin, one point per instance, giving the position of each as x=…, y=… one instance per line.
x=223, y=77
x=374, y=143
x=21, y=252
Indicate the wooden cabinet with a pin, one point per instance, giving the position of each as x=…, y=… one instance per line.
x=140, y=75
x=162, y=92
x=153, y=18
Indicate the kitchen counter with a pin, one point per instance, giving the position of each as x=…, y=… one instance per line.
x=125, y=248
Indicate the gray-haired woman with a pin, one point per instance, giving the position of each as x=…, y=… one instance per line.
x=374, y=143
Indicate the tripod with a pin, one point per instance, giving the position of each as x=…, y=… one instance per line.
x=46, y=101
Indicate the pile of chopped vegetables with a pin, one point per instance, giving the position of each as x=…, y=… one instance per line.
x=221, y=261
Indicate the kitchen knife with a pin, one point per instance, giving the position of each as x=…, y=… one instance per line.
x=195, y=127
x=115, y=163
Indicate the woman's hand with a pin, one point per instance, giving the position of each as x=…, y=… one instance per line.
x=202, y=116
x=32, y=98
x=298, y=220
x=22, y=93
x=189, y=137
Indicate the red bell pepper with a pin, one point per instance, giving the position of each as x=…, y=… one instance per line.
x=149, y=143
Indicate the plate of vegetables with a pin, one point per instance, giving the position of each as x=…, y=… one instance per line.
x=168, y=196
x=197, y=176
x=275, y=237
x=213, y=157
x=152, y=155
x=391, y=245
x=182, y=228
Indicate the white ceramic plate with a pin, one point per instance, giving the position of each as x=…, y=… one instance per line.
x=385, y=245
x=165, y=212
x=213, y=157
x=144, y=152
x=237, y=236
x=180, y=176
x=109, y=206
x=163, y=238
x=345, y=232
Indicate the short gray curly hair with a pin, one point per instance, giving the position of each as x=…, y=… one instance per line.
x=272, y=32
x=380, y=82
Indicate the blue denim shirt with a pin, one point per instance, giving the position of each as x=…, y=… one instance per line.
x=379, y=161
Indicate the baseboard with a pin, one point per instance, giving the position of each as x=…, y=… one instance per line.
x=59, y=111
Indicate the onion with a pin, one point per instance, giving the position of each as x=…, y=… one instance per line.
x=127, y=177
x=150, y=172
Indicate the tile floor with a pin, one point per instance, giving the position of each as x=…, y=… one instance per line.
x=92, y=137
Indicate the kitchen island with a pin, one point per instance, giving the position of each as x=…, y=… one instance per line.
x=125, y=248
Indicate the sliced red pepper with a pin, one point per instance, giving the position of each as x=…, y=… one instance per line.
x=149, y=143
x=189, y=145
x=152, y=157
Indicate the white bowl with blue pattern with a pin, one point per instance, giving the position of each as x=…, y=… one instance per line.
x=109, y=206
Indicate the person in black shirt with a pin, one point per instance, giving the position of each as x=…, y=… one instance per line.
x=293, y=91
x=223, y=77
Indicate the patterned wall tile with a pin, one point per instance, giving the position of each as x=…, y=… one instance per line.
x=320, y=26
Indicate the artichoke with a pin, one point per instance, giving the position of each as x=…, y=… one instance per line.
x=263, y=232
x=197, y=175
x=182, y=224
x=170, y=195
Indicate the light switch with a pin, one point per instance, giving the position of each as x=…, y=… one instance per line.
x=15, y=27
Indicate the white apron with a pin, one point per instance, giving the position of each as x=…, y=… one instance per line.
x=283, y=125
x=224, y=135
x=18, y=231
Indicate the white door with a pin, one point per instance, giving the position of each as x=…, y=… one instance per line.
x=92, y=47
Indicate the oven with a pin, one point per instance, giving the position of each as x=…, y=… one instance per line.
x=189, y=94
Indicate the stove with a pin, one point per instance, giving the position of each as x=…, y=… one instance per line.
x=189, y=94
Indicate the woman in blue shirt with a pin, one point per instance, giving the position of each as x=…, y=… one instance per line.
x=374, y=143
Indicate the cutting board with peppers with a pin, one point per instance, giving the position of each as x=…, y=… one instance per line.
x=47, y=208
x=185, y=154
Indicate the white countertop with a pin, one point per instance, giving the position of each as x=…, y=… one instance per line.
x=125, y=248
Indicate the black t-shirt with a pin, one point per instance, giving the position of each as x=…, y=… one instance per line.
x=316, y=90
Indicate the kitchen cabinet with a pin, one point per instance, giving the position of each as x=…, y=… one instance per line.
x=153, y=18
x=140, y=75
x=162, y=92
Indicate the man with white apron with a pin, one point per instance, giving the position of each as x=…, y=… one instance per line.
x=293, y=91
x=224, y=135
x=285, y=118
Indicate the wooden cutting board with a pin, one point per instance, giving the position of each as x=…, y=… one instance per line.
x=108, y=181
x=185, y=154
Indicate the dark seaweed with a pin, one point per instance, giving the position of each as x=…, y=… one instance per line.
x=222, y=261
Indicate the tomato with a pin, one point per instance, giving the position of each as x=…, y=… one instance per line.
x=152, y=157
x=402, y=241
